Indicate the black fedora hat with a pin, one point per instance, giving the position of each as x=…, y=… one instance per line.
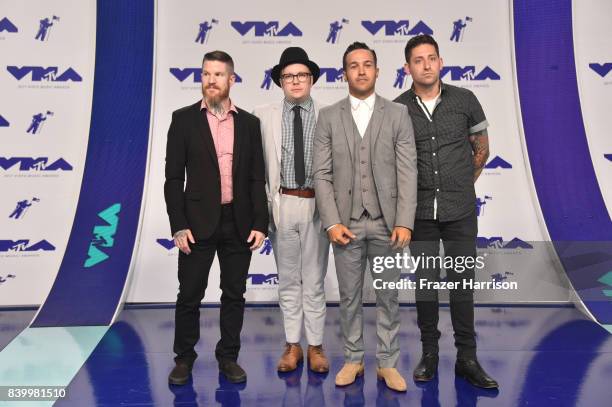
x=294, y=55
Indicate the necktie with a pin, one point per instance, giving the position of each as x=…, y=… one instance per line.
x=298, y=147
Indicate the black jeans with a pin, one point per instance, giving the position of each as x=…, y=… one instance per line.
x=459, y=240
x=234, y=260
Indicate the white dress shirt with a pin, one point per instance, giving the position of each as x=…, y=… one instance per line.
x=362, y=111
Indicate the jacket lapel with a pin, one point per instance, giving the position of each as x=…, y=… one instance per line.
x=376, y=121
x=204, y=130
x=347, y=122
x=277, y=120
x=238, y=131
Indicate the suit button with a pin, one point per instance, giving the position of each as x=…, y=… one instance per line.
x=349, y=191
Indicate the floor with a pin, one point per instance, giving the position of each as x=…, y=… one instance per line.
x=541, y=356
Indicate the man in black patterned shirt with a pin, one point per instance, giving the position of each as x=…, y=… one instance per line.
x=452, y=148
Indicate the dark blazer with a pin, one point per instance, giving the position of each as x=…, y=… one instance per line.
x=197, y=207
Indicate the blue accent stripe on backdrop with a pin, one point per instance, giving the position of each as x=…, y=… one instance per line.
x=571, y=201
x=89, y=284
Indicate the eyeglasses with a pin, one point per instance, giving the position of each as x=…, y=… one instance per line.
x=302, y=77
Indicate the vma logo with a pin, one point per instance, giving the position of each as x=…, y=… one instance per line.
x=262, y=279
x=499, y=243
x=332, y=75
x=266, y=29
x=193, y=74
x=49, y=74
x=468, y=73
x=392, y=28
x=601, y=69
x=34, y=164
x=4, y=122
x=498, y=162
x=168, y=244
x=104, y=236
x=24, y=245
x=8, y=26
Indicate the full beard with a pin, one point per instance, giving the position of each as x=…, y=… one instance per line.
x=215, y=103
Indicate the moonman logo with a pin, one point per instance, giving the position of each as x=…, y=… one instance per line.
x=168, y=244
x=468, y=73
x=262, y=279
x=480, y=204
x=182, y=74
x=266, y=249
x=38, y=122
x=204, y=28
x=499, y=277
x=266, y=29
x=400, y=78
x=48, y=74
x=22, y=207
x=8, y=26
x=4, y=279
x=44, y=28
x=601, y=69
x=104, y=236
x=4, y=122
x=393, y=28
x=334, y=30
x=23, y=245
x=35, y=164
x=332, y=75
x=458, y=28
x=498, y=162
x=498, y=243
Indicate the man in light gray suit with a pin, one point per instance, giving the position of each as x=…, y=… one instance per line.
x=301, y=248
x=366, y=183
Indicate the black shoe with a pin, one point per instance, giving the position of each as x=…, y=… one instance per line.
x=427, y=367
x=232, y=371
x=180, y=374
x=471, y=370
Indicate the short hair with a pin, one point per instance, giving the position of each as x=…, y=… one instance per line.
x=420, y=40
x=355, y=46
x=220, y=56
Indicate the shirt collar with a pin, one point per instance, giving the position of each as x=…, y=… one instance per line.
x=231, y=109
x=442, y=90
x=306, y=104
x=369, y=101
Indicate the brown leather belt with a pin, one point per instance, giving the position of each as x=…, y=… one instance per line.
x=302, y=193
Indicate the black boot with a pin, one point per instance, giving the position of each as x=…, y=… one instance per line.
x=471, y=370
x=232, y=371
x=427, y=367
x=180, y=374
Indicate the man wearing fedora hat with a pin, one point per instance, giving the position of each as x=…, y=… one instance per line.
x=300, y=245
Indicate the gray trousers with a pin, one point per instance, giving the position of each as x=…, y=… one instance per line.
x=301, y=251
x=372, y=241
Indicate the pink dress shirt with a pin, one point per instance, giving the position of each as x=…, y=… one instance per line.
x=222, y=129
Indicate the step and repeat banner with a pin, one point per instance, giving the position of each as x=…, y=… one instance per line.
x=45, y=110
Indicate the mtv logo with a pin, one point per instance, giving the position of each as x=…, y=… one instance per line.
x=332, y=75
x=263, y=279
x=4, y=122
x=39, y=73
x=36, y=164
x=266, y=29
x=601, y=69
x=8, y=26
x=195, y=74
x=392, y=28
x=498, y=242
x=166, y=243
x=468, y=73
x=498, y=162
x=23, y=245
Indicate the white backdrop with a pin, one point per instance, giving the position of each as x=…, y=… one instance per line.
x=510, y=209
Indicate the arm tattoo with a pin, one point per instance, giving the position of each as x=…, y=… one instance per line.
x=480, y=146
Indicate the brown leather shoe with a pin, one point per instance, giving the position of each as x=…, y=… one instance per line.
x=291, y=357
x=317, y=362
x=348, y=374
x=392, y=378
